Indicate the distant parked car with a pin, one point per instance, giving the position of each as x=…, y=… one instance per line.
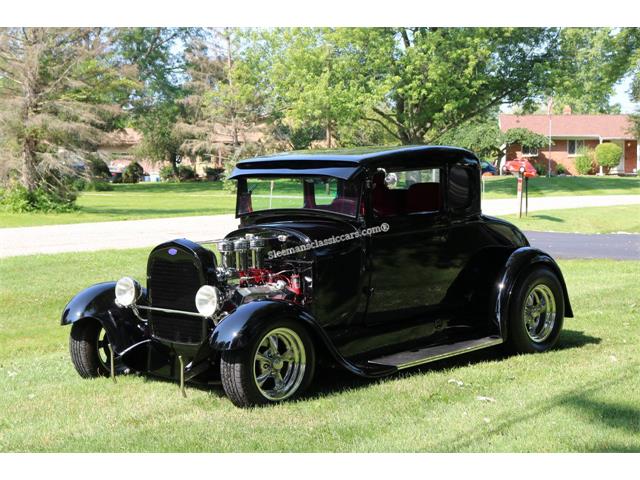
x=513, y=167
x=487, y=168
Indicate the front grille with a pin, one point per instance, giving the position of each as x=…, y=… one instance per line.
x=173, y=284
x=178, y=328
x=173, y=280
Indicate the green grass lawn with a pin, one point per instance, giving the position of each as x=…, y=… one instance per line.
x=505, y=186
x=624, y=218
x=583, y=396
x=152, y=200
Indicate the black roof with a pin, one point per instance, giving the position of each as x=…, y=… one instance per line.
x=341, y=163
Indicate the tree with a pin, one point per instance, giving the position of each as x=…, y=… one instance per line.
x=483, y=137
x=635, y=89
x=525, y=137
x=156, y=55
x=415, y=83
x=225, y=94
x=590, y=62
x=59, y=92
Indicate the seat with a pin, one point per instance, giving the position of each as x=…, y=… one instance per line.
x=385, y=201
x=343, y=205
x=424, y=197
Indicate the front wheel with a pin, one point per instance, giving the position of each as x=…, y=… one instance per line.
x=89, y=348
x=536, y=313
x=277, y=366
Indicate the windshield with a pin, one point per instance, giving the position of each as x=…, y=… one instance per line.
x=309, y=193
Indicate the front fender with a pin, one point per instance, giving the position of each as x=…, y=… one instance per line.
x=98, y=302
x=516, y=265
x=242, y=327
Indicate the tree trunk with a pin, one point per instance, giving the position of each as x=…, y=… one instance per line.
x=329, y=135
x=28, y=177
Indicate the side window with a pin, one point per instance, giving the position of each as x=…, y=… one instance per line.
x=404, y=191
x=459, y=188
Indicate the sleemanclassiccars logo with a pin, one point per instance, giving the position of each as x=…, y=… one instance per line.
x=367, y=232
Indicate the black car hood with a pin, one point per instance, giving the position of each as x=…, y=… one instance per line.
x=305, y=230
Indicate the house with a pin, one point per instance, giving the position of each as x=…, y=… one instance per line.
x=568, y=133
x=119, y=146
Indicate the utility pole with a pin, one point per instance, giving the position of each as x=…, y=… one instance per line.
x=549, y=108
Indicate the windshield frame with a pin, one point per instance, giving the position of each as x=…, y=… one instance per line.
x=242, y=181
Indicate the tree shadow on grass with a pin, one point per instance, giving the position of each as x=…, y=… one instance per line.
x=621, y=417
x=548, y=218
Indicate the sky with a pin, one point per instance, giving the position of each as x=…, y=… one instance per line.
x=621, y=96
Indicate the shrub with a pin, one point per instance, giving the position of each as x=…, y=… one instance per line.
x=560, y=170
x=186, y=173
x=18, y=199
x=133, y=173
x=540, y=169
x=167, y=173
x=99, y=169
x=98, y=186
x=214, y=174
x=584, y=161
x=79, y=184
x=608, y=155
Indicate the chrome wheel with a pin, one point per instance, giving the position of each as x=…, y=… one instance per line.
x=279, y=364
x=539, y=313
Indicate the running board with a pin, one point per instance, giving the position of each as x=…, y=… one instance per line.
x=411, y=358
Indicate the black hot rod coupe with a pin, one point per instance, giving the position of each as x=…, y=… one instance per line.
x=373, y=260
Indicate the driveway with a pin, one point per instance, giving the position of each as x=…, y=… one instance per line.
x=578, y=245
x=145, y=233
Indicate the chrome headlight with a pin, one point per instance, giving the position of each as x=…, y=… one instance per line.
x=207, y=300
x=127, y=291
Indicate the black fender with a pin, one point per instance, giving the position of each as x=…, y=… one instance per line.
x=98, y=302
x=518, y=264
x=240, y=329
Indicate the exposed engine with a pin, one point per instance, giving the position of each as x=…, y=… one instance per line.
x=247, y=273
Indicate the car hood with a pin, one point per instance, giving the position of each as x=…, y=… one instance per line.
x=304, y=230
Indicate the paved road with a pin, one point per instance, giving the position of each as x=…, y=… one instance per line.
x=146, y=233
x=578, y=245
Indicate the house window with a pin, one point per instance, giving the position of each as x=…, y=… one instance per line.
x=573, y=146
x=529, y=151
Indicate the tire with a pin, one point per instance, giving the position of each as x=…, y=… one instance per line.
x=536, y=313
x=292, y=357
x=89, y=350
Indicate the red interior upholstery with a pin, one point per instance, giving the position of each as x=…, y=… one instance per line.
x=385, y=203
x=424, y=197
x=343, y=205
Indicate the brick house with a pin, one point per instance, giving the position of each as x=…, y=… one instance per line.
x=570, y=132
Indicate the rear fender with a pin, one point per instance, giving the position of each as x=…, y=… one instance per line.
x=516, y=266
x=98, y=302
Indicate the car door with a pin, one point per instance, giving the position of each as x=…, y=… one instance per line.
x=410, y=271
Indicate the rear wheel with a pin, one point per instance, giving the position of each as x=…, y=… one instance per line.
x=89, y=348
x=536, y=313
x=277, y=366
